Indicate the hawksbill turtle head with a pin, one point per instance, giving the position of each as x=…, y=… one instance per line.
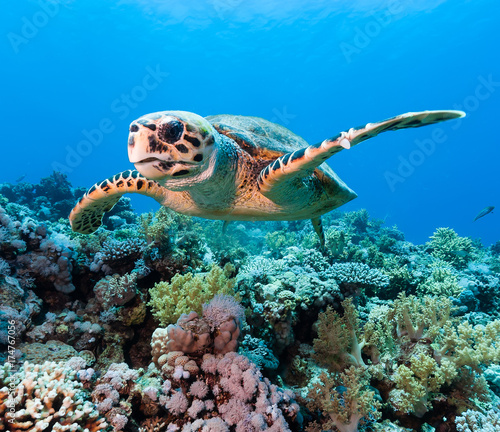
x=171, y=147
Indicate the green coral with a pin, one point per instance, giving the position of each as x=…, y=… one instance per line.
x=400, y=278
x=155, y=227
x=186, y=293
x=415, y=382
x=448, y=246
x=420, y=318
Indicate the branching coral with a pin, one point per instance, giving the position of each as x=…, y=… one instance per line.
x=416, y=349
x=442, y=282
x=446, y=244
x=188, y=292
x=420, y=318
x=118, y=255
x=356, y=276
x=476, y=421
x=39, y=396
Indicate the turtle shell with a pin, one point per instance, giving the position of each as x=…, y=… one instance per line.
x=262, y=139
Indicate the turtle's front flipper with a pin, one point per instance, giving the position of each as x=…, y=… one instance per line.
x=302, y=162
x=87, y=214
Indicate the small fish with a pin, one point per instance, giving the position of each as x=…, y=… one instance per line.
x=20, y=178
x=484, y=212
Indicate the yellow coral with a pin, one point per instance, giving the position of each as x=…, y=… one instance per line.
x=442, y=282
x=416, y=382
x=468, y=345
x=186, y=293
x=420, y=318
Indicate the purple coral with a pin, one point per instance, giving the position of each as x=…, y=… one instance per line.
x=231, y=391
x=220, y=309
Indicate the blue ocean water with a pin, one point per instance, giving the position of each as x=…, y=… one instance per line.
x=75, y=74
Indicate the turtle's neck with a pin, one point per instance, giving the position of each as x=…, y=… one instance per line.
x=215, y=186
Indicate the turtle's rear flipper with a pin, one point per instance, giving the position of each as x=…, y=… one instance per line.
x=87, y=214
x=302, y=162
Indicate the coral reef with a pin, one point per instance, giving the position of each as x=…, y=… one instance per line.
x=163, y=322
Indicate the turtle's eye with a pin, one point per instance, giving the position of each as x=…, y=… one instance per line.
x=171, y=131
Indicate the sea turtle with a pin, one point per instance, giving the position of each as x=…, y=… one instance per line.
x=231, y=167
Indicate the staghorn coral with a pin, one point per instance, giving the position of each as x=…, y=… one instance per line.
x=188, y=292
x=38, y=396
